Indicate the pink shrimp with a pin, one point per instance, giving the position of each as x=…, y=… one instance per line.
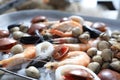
x=64, y=29
x=29, y=53
x=73, y=57
x=80, y=46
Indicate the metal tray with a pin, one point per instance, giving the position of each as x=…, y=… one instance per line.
x=26, y=16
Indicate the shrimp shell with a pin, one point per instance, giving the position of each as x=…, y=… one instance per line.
x=73, y=57
x=29, y=53
x=66, y=26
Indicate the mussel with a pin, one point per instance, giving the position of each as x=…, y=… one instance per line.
x=13, y=25
x=94, y=33
x=38, y=62
x=30, y=39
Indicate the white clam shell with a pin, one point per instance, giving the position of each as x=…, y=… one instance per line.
x=60, y=71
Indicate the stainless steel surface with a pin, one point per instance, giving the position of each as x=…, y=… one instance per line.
x=13, y=73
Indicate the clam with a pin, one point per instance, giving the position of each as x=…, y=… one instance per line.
x=74, y=72
x=37, y=26
x=100, y=26
x=4, y=33
x=14, y=27
x=107, y=55
x=115, y=65
x=37, y=19
x=7, y=43
x=107, y=74
x=33, y=72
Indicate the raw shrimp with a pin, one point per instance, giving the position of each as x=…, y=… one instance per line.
x=80, y=46
x=73, y=57
x=64, y=29
x=65, y=40
x=29, y=53
x=60, y=33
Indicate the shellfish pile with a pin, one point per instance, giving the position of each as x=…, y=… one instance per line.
x=71, y=48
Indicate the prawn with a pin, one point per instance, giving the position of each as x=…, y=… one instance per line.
x=64, y=29
x=72, y=57
x=65, y=40
x=80, y=46
x=29, y=53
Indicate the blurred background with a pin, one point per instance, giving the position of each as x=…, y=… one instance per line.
x=97, y=8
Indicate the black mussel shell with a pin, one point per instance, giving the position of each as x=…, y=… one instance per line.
x=38, y=63
x=94, y=33
x=30, y=39
x=13, y=25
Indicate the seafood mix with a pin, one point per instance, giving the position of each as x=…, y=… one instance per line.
x=68, y=49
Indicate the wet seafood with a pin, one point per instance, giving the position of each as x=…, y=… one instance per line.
x=107, y=74
x=60, y=52
x=30, y=39
x=29, y=53
x=37, y=26
x=38, y=62
x=10, y=27
x=6, y=44
x=57, y=45
x=73, y=57
x=100, y=26
x=44, y=53
x=65, y=40
x=63, y=29
x=80, y=46
x=44, y=50
x=39, y=19
x=4, y=33
x=94, y=33
x=32, y=72
x=74, y=72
